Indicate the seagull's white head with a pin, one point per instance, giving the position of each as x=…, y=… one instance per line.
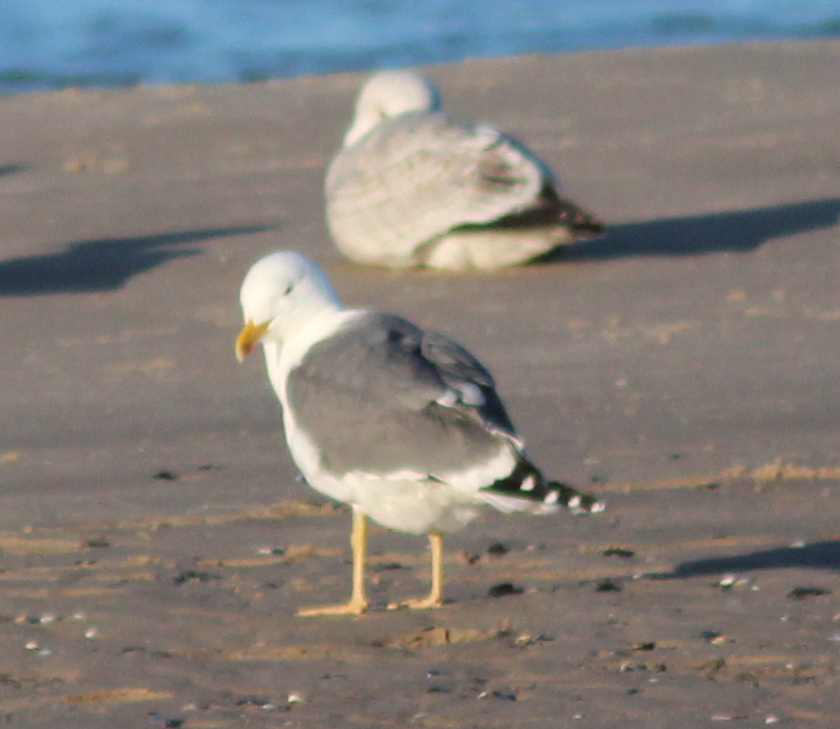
x=281, y=293
x=389, y=94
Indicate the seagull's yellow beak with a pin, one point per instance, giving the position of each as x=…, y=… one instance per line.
x=249, y=336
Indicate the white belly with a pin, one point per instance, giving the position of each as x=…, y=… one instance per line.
x=402, y=502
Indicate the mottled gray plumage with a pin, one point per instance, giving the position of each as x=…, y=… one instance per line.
x=413, y=187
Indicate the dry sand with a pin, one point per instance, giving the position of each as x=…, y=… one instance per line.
x=155, y=543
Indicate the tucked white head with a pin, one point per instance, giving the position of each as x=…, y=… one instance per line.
x=389, y=94
x=281, y=293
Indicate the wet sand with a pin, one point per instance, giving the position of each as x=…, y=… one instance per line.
x=156, y=543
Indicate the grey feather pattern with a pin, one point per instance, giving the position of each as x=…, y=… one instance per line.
x=417, y=176
x=369, y=396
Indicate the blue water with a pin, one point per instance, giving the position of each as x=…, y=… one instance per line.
x=50, y=44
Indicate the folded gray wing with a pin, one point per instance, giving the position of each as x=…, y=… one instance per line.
x=467, y=377
x=383, y=396
x=419, y=175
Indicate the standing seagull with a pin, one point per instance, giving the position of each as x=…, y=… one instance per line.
x=402, y=424
x=411, y=187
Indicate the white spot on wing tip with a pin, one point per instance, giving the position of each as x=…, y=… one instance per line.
x=448, y=399
x=528, y=484
x=463, y=392
x=552, y=497
x=471, y=394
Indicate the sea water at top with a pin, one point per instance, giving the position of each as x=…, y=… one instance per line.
x=50, y=44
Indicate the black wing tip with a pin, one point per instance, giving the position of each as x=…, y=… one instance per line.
x=526, y=482
x=582, y=223
x=574, y=500
x=588, y=226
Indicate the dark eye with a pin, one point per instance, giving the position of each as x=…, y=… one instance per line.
x=288, y=290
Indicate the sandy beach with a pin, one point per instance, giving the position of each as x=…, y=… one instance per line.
x=155, y=541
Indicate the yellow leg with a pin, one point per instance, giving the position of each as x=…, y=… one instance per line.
x=358, y=601
x=435, y=597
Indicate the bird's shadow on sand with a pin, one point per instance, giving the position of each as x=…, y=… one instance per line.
x=10, y=169
x=818, y=555
x=736, y=231
x=103, y=264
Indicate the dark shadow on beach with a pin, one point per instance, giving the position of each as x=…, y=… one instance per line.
x=104, y=264
x=819, y=555
x=736, y=231
x=10, y=169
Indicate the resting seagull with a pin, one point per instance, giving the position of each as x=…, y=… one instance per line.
x=412, y=187
x=402, y=424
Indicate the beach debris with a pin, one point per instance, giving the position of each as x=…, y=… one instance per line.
x=505, y=588
x=618, y=552
x=803, y=593
x=607, y=586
